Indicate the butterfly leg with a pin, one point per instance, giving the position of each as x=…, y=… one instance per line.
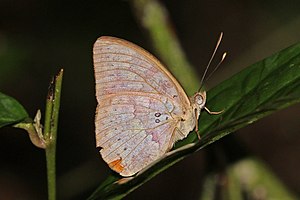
x=212, y=112
x=197, y=126
x=198, y=134
x=197, y=130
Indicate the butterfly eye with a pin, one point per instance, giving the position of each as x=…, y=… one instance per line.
x=199, y=99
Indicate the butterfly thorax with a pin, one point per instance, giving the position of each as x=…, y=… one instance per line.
x=188, y=120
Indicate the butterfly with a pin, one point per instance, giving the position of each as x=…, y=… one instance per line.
x=142, y=109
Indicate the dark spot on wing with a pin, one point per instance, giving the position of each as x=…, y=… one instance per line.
x=157, y=114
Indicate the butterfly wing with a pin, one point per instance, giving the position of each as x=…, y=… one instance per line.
x=139, y=102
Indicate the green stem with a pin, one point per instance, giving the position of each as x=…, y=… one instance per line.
x=50, y=132
x=153, y=16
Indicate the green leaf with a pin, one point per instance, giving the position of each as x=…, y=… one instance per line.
x=259, y=90
x=11, y=111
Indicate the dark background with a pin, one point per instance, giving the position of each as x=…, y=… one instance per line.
x=37, y=38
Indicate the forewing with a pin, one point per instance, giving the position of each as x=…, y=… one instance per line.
x=137, y=101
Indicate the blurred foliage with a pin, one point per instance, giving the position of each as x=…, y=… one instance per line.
x=247, y=179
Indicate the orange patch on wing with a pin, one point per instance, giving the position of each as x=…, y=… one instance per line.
x=116, y=165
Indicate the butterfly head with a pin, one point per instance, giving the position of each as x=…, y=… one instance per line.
x=198, y=101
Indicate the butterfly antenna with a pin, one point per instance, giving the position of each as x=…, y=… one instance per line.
x=210, y=60
x=218, y=65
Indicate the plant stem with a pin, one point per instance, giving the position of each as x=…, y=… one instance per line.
x=50, y=132
x=153, y=16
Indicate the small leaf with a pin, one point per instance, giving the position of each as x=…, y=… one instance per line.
x=259, y=90
x=11, y=111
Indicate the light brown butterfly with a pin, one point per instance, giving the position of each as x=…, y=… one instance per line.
x=142, y=109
